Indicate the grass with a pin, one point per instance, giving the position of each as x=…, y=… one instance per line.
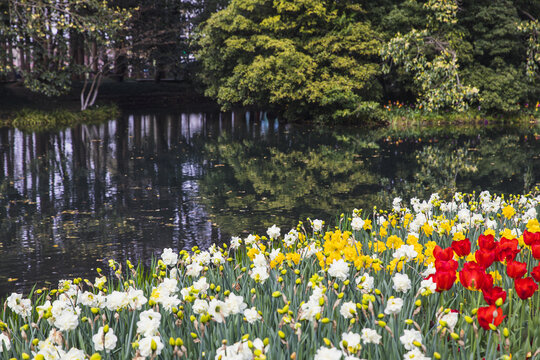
x=29, y=120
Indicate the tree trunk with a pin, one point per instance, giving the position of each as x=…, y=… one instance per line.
x=95, y=57
x=159, y=73
x=11, y=61
x=88, y=99
x=120, y=67
x=76, y=49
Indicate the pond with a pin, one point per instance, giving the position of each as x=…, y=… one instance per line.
x=126, y=189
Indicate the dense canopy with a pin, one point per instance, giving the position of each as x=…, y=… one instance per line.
x=310, y=59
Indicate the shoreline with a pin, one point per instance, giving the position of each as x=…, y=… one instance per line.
x=181, y=95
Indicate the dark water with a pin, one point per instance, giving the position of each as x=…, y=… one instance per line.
x=71, y=200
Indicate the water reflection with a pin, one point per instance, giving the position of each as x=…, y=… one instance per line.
x=73, y=199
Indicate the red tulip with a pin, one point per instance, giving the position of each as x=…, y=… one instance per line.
x=516, y=269
x=507, y=249
x=525, y=287
x=488, y=281
x=490, y=315
x=491, y=295
x=472, y=276
x=486, y=242
x=444, y=280
x=443, y=254
x=451, y=265
x=485, y=257
x=535, y=273
x=535, y=249
x=529, y=237
x=462, y=248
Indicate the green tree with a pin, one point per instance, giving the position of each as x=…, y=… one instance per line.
x=497, y=53
x=57, y=41
x=431, y=56
x=159, y=34
x=532, y=29
x=301, y=57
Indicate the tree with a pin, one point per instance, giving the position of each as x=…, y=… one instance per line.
x=159, y=34
x=58, y=41
x=300, y=57
x=497, y=53
x=430, y=55
x=532, y=29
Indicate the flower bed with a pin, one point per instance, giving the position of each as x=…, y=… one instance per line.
x=452, y=280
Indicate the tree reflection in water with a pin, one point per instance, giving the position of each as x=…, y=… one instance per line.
x=73, y=199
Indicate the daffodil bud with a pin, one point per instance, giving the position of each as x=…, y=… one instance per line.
x=443, y=323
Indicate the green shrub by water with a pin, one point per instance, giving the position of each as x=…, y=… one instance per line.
x=29, y=120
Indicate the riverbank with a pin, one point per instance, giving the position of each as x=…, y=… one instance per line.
x=131, y=95
x=127, y=95
x=402, y=115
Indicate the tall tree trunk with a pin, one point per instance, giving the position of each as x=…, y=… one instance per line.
x=95, y=57
x=88, y=99
x=11, y=61
x=76, y=49
x=159, y=72
x=28, y=55
x=120, y=67
x=22, y=61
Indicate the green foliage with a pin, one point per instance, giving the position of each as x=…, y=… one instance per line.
x=496, y=63
x=485, y=51
x=532, y=29
x=306, y=58
x=501, y=88
x=430, y=56
x=37, y=121
x=49, y=34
